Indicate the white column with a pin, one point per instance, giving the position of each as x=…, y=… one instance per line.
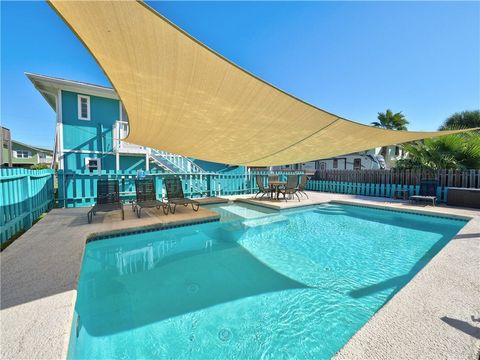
x=60, y=129
x=117, y=161
x=147, y=162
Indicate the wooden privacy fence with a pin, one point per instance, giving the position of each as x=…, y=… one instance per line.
x=24, y=195
x=384, y=183
x=445, y=178
x=79, y=188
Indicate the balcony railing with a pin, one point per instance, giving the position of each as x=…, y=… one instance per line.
x=120, y=131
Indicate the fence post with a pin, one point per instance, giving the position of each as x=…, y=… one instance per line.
x=29, y=197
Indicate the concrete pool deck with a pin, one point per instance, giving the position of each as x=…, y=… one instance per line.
x=436, y=315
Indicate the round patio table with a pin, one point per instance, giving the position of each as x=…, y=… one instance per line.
x=276, y=185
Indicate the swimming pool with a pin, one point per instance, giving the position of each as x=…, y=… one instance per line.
x=288, y=284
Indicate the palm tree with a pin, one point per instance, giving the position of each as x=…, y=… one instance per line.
x=462, y=120
x=391, y=121
x=457, y=151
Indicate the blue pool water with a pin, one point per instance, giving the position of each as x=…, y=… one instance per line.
x=294, y=284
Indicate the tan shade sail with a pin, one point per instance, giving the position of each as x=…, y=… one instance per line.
x=182, y=97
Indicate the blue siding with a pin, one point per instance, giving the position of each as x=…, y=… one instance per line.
x=94, y=134
x=94, y=137
x=132, y=163
x=76, y=161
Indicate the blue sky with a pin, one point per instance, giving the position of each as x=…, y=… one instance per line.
x=351, y=58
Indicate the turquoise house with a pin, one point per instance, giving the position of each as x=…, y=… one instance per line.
x=90, y=125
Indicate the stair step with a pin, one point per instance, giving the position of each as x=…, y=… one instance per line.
x=265, y=221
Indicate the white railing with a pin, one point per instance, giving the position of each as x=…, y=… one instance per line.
x=168, y=161
x=120, y=131
x=180, y=163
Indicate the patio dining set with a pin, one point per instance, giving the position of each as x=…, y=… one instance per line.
x=293, y=187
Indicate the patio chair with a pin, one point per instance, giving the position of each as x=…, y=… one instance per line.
x=262, y=189
x=175, y=195
x=291, y=188
x=427, y=193
x=302, y=185
x=146, y=197
x=108, y=199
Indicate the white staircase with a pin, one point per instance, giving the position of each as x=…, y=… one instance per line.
x=169, y=162
x=174, y=163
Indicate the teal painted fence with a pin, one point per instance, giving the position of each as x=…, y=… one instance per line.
x=79, y=188
x=24, y=195
x=379, y=190
x=384, y=183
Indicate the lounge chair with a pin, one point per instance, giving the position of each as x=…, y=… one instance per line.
x=262, y=189
x=147, y=197
x=175, y=196
x=291, y=188
x=302, y=186
x=427, y=193
x=108, y=199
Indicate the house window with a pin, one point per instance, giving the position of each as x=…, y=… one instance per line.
x=83, y=107
x=397, y=150
x=92, y=164
x=357, y=164
x=22, y=154
x=335, y=163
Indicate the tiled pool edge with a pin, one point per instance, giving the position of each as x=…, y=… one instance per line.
x=424, y=212
x=145, y=229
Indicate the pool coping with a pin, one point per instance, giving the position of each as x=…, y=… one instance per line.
x=212, y=200
x=103, y=235
x=425, y=212
x=430, y=211
x=348, y=351
x=272, y=206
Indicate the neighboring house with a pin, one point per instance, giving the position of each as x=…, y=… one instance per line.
x=24, y=155
x=6, y=155
x=91, y=123
x=378, y=158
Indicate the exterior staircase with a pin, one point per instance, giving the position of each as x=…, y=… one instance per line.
x=169, y=162
x=174, y=163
